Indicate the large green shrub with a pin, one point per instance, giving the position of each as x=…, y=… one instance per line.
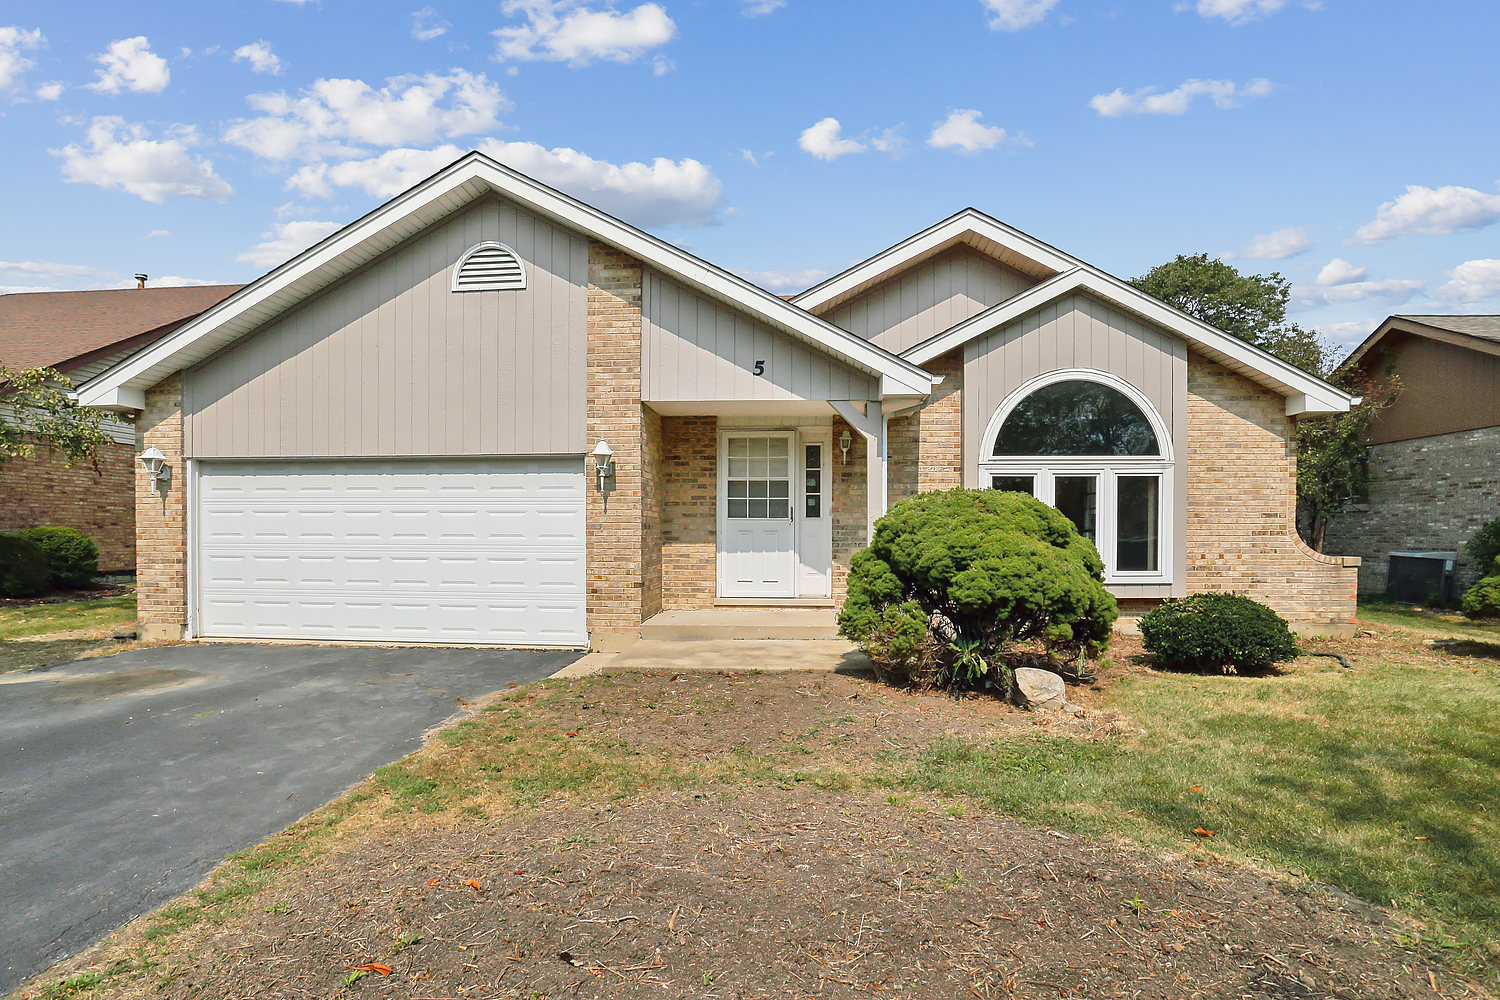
x=72, y=556
x=1484, y=545
x=1483, y=599
x=23, y=567
x=1227, y=632
x=953, y=581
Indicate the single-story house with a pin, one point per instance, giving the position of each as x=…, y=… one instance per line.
x=1434, y=459
x=80, y=334
x=487, y=412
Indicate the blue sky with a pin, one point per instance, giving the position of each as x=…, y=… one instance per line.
x=1353, y=145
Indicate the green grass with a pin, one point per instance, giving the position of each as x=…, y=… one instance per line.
x=1417, y=619
x=19, y=621
x=1383, y=780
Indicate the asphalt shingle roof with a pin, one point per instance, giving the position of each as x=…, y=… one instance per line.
x=1486, y=327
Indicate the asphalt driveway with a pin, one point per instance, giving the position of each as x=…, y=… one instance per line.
x=124, y=780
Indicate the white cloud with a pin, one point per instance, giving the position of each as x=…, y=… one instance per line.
x=1237, y=12
x=660, y=193
x=1280, y=245
x=1013, y=15
x=760, y=8
x=426, y=25
x=961, y=130
x=129, y=64
x=787, y=281
x=46, y=269
x=1340, y=272
x=1473, y=281
x=49, y=91
x=157, y=233
x=341, y=117
x=567, y=31
x=169, y=281
x=824, y=140
x=1151, y=101
x=1349, y=334
x=126, y=157
x=286, y=240
x=891, y=142
x=13, y=42
x=1437, y=211
x=260, y=57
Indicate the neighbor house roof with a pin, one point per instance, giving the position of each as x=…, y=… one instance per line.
x=64, y=329
x=1480, y=332
x=473, y=176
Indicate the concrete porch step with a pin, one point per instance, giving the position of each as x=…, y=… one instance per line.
x=715, y=624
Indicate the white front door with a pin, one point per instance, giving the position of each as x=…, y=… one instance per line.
x=757, y=494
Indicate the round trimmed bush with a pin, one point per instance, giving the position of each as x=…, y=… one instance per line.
x=1483, y=599
x=963, y=576
x=23, y=567
x=1484, y=546
x=1226, y=632
x=72, y=555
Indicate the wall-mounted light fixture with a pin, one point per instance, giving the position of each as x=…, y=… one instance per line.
x=604, y=463
x=157, y=468
x=844, y=442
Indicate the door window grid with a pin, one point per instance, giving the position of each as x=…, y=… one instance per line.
x=1121, y=511
x=813, y=493
x=758, y=485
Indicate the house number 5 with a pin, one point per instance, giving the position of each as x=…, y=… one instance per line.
x=760, y=367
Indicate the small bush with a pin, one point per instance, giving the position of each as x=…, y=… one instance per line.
x=23, y=567
x=954, y=581
x=72, y=556
x=1484, y=546
x=1226, y=632
x=1483, y=599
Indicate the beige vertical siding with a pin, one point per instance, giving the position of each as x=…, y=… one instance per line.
x=929, y=298
x=1081, y=332
x=390, y=362
x=695, y=348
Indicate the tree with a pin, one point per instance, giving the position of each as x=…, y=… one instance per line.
x=36, y=408
x=1332, y=453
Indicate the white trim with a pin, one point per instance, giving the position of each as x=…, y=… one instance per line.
x=470, y=177
x=513, y=284
x=190, y=475
x=1305, y=394
x=955, y=227
x=1031, y=385
x=794, y=502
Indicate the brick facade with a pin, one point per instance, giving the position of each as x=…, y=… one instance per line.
x=1426, y=494
x=652, y=505
x=847, y=500
x=926, y=447
x=689, y=556
x=616, y=536
x=99, y=501
x=161, y=521
x=1241, y=469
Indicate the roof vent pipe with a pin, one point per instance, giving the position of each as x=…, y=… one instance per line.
x=140, y=280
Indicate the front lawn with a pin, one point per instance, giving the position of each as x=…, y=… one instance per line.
x=702, y=834
x=20, y=619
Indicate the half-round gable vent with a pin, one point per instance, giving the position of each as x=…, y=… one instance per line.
x=486, y=267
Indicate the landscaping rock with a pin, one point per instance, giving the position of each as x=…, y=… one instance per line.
x=1039, y=689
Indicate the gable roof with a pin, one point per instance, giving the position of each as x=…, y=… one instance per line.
x=471, y=176
x=1477, y=332
x=982, y=232
x=64, y=329
x=1306, y=395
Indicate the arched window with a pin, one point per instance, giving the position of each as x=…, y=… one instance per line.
x=1091, y=445
x=489, y=267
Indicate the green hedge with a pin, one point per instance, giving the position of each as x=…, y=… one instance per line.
x=24, y=570
x=72, y=556
x=1226, y=632
x=1483, y=599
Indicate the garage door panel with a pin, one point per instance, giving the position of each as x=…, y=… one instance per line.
x=443, y=551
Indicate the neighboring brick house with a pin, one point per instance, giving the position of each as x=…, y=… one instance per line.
x=81, y=334
x=1435, y=451
x=489, y=413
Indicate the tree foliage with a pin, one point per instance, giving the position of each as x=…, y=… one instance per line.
x=35, y=408
x=972, y=573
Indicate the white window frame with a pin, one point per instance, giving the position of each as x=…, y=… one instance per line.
x=1108, y=469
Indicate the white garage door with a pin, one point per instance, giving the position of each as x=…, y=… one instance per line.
x=447, y=550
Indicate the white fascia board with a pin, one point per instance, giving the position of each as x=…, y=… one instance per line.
x=1306, y=395
x=142, y=370
x=951, y=228
x=120, y=399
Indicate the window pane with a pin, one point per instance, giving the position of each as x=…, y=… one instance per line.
x=781, y=468
x=757, y=488
x=757, y=508
x=780, y=447
x=1139, y=528
x=1015, y=484
x=737, y=489
x=739, y=447
x=1076, y=500
x=814, y=471
x=781, y=508
x=737, y=509
x=1076, y=418
x=814, y=505
x=739, y=468
x=781, y=488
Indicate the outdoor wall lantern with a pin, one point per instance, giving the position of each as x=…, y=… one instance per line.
x=604, y=463
x=844, y=442
x=157, y=468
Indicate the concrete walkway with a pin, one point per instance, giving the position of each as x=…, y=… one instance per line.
x=826, y=655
